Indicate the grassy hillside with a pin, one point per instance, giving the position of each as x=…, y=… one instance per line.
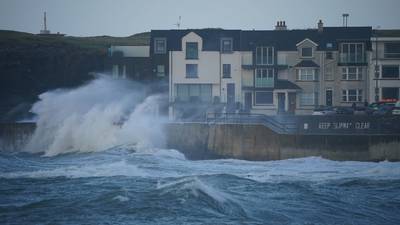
x=96, y=42
x=32, y=64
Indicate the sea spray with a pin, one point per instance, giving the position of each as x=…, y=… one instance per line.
x=104, y=113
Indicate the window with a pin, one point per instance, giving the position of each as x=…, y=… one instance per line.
x=377, y=71
x=308, y=98
x=306, y=74
x=226, y=70
x=160, y=45
x=191, y=71
x=390, y=71
x=264, y=77
x=306, y=52
x=329, y=55
x=352, y=95
x=329, y=45
x=160, y=70
x=264, y=98
x=192, y=51
x=352, y=53
x=264, y=55
x=193, y=92
x=226, y=45
x=352, y=73
x=329, y=73
x=392, y=50
x=390, y=93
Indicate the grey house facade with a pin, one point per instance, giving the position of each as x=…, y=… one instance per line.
x=278, y=71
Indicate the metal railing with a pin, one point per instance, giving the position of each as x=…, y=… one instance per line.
x=352, y=58
x=280, y=126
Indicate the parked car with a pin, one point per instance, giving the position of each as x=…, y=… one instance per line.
x=360, y=110
x=376, y=106
x=342, y=110
x=384, y=110
x=323, y=111
x=396, y=109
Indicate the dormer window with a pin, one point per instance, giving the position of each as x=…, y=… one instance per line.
x=226, y=45
x=265, y=55
x=192, y=50
x=160, y=45
x=307, y=52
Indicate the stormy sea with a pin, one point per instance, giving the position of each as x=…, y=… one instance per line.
x=98, y=157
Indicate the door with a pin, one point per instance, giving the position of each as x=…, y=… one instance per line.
x=328, y=96
x=230, y=89
x=248, y=99
x=281, y=102
x=292, y=103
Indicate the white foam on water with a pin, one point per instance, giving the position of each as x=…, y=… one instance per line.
x=121, y=198
x=195, y=186
x=120, y=168
x=104, y=113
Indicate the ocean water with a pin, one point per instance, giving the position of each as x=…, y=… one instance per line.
x=98, y=157
x=158, y=186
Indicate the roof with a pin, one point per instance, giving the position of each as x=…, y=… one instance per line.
x=286, y=40
x=211, y=38
x=282, y=40
x=285, y=84
x=387, y=33
x=306, y=63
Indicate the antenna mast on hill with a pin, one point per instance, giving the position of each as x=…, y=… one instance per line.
x=45, y=21
x=44, y=31
x=178, y=24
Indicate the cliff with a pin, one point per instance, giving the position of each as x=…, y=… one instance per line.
x=32, y=64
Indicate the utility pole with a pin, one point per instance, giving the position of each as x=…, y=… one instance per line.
x=376, y=65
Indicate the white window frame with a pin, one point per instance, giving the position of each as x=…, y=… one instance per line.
x=312, y=52
x=390, y=78
x=265, y=73
x=265, y=49
x=342, y=47
x=308, y=98
x=222, y=45
x=346, y=95
x=301, y=76
x=346, y=73
x=156, y=50
x=191, y=76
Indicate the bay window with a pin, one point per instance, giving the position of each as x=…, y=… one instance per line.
x=264, y=55
x=390, y=71
x=352, y=95
x=307, y=74
x=352, y=73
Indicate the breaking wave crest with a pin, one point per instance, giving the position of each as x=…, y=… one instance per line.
x=104, y=113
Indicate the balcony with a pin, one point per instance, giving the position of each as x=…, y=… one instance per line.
x=264, y=82
x=391, y=55
x=349, y=58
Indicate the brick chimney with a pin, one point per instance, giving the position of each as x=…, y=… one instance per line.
x=320, y=26
x=280, y=25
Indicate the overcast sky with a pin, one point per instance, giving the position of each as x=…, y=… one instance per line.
x=126, y=17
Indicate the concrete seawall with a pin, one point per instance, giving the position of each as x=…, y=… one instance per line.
x=257, y=142
x=249, y=142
